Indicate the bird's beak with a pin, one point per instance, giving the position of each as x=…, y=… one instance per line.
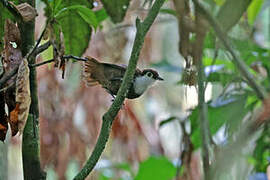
x=159, y=78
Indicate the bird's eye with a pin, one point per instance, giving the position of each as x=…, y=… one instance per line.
x=149, y=74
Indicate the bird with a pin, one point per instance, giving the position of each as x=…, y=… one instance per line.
x=110, y=77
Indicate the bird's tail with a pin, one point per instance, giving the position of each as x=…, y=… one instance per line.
x=88, y=70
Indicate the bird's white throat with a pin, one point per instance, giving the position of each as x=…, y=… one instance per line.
x=142, y=83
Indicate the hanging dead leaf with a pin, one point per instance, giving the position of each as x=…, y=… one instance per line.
x=27, y=12
x=3, y=131
x=12, y=51
x=63, y=67
x=12, y=59
x=59, y=52
x=3, y=118
x=23, y=97
x=13, y=120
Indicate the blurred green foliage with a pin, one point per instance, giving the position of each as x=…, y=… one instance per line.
x=76, y=19
x=226, y=112
x=158, y=168
x=116, y=9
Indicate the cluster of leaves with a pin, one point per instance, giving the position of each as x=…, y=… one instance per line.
x=76, y=18
x=227, y=112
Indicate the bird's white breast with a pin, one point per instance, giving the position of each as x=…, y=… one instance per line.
x=142, y=83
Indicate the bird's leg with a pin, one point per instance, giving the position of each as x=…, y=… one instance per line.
x=110, y=92
x=113, y=97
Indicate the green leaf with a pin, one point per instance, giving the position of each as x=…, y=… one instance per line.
x=250, y=51
x=74, y=27
x=253, y=10
x=116, y=9
x=168, y=11
x=207, y=61
x=222, y=77
x=210, y=40
x=231, y=114
x=262, y=150
x=101, y=15
x=57, y=4
x=87, y=14
x=157, y=168
x=4, y=14
x=48, y=9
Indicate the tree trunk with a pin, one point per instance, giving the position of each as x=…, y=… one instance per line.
x=30, y=144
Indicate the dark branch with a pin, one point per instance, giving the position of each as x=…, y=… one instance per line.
x=7, y=76
x=41, y=48
x=40, y=64
x=33, y=51
x=74, y=57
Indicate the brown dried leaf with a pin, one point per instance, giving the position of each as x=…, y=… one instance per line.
x=23, y=97
x=12, y=59
x=12, y=51
x=3, y=130
x=27, y=12
x=13, y=120
x=63, y=67
x=3, y=118
x=59, y=52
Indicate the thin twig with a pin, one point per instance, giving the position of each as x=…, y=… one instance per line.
x=52, y=60
x=32, y=52
x=5, y=88
x=7, y=76
x=40, y=64
x=74, y=57
x=259, y=90
x=41, y=48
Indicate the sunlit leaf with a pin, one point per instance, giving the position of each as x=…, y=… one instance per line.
x=253, y=10
x=219, y=2
x=75, y=29
x=158, y=168
x=56, y=4
x=101, y=15
x=87, y=14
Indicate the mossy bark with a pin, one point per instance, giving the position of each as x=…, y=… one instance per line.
x=30, y=144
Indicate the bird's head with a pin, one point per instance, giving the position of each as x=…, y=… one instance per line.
x=146, y=79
